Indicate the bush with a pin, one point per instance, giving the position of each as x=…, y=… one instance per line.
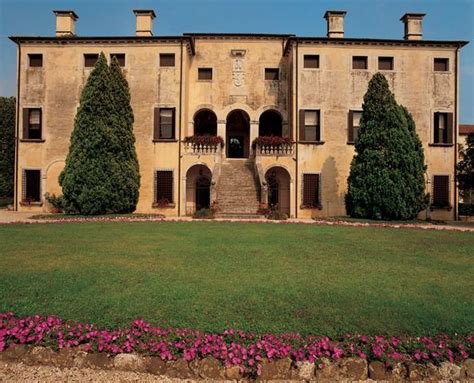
x=204, y=214
x=58, y=203
x=276, y=214
x=466, y=208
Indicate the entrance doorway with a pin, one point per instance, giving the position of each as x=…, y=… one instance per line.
x=238, y=134
x=278, y=186
x=203, y=193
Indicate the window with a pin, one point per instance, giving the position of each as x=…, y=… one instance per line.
x=310, y=126
x=31, y=186
x=164, y=187
x=120, y=58
x=164, y=124
x=441, y=65
x=32, y=124
x=385, y=63
x=311, y=190
x=90, y=59
x=359, y=62
x=443, y=128
x=35, y=60
x=205, y=74
x=272, y=74
x=440, y=191
x=354, y=124
x=311, y=61
x=167, y=60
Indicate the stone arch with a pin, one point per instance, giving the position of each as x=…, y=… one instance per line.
x=205, y=122
x=278, y=183
x=238, y=134
x=222, y=115
x=198, y=188
x=270, y=123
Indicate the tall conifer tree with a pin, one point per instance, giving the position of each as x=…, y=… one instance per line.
x=386, y=179
x=7, y=145
x=94, y=180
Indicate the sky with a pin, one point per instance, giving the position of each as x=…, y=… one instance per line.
x=445, y=20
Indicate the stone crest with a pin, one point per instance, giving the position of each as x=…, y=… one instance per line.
x=238, y=72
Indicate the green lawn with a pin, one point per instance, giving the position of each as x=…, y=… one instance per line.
x=259, y=277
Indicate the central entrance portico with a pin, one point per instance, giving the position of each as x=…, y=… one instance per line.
x=238, y=134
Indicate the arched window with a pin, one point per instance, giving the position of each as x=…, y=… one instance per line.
x=270, y=124
x=205, y=123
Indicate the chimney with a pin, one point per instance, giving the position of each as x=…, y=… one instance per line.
x=413, y=25
x=335, y=21
x=144, y=21
x=65, y=23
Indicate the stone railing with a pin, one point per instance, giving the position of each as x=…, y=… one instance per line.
x=193, y=148
x=281, y=150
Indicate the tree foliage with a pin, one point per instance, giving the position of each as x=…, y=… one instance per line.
x=387, y=175
x=101, y=174
x=7, y=145
x=465, y=167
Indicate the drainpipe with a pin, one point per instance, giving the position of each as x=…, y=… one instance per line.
x=179, y=124
x=17, y=133
x=296, y=133
x=456, y=111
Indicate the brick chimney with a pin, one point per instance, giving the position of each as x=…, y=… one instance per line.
x=413, y=25
x=144, y=21
x=65, y=23
x=335, y=22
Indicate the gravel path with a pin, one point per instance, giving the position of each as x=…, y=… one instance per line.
x=19, y=372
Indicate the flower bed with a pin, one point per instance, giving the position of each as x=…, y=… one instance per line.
x=250, y=352
x=205, y=140
x=275, y=141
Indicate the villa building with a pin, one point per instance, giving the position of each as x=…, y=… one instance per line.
x=238, y=120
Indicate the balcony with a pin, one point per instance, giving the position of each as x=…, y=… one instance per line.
x=203, y=145
x=273, y=146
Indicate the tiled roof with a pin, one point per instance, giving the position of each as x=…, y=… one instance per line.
x=466, y=129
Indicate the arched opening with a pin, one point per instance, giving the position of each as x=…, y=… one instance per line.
x=278, y=186
x=205, y=123
x=270, y=124
x=198, y=188
x=238, y=134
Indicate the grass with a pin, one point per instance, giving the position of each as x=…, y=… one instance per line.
x=258, y=277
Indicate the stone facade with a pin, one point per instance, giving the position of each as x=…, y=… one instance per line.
x=238, y=87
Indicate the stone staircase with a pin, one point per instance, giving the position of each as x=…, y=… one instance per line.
x=237, y=190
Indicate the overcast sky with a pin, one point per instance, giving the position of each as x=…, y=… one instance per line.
x=445, y=20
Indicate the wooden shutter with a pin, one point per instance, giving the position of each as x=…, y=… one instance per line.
x=301, y=125
x=350, y=127
x=310, y=189
x=436, y=127
x=164, y=185
x=449, y=128
x=26, y=122
x=156, y=124
x=173, y=123
x=441, y=191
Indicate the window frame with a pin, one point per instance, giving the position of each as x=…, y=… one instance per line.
x=157, y=203
x=392, y=62
x=302, y=127
x=24, y=187
x=449, y=129
x=447, y=204
x=272, y=69
x=304, y=203
x=84, y=60
x=311, y=55
x=26, y=135
x=112, y=55
x=206, y=68
x=30, y=56
x=166, y=54
x=358, y=57
x=446, y=59
x=350, y=126
x=157, y=124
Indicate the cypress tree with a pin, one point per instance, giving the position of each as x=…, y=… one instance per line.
x=92, y=179
x=386, y=178
x=7, y=145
